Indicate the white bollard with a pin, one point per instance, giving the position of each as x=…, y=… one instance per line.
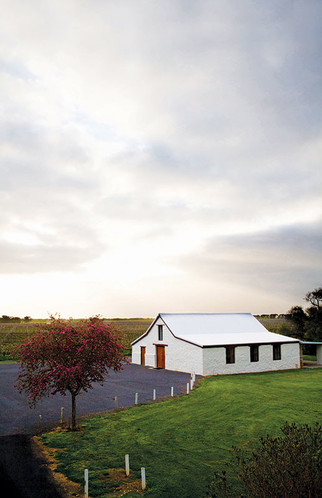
x=62, y=416
x=86, y=483
x=191, y=383
x=116, y=403
x=188, y=387
x=172, y=391
x=154, y=394
x=143, y=478
x=136, y=398
x=127, y=465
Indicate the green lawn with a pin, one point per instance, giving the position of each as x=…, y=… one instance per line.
x=182, y=441
x=309, y=357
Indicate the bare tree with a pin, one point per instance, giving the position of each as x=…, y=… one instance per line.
x=314, y=297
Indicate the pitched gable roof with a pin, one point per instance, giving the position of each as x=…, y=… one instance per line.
x=216, y=329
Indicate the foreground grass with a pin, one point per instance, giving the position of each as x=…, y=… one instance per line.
x=182, y=441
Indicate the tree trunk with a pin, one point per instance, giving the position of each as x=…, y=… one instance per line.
x=73, y=412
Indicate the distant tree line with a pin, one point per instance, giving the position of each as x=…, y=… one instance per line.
x=14, y=319
x=272, y=316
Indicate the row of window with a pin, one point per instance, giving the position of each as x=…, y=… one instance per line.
x=230, y=350
x=254, y=353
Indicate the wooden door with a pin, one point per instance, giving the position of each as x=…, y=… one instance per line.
x=143, y=355
x=160, y=356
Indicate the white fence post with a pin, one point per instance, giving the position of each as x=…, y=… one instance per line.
x=127, y=465
x=154, y=394
x=172, y=391
x=86, y=483
x=143, y=478
x=116, y=403
x=136, y=398
x=188, y=384
x=62, y=416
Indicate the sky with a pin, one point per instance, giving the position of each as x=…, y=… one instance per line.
x=159, y=156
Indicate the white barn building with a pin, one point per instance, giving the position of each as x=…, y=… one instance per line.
x=214, y=343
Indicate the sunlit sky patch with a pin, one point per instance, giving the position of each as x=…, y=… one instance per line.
x=159, y=156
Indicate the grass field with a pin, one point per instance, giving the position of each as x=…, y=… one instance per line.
x=12, y=334
x=182, y=441
x=277, y=325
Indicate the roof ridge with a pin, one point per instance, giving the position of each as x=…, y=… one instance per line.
x=215, y=313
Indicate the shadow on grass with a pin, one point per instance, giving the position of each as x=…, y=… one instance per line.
x=24, y=469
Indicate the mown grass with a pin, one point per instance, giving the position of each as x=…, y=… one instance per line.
x=182, y=441
x=309, y=357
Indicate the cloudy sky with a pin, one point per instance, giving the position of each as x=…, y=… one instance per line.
x=159, y=156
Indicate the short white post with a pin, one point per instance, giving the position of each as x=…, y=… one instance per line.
x=116, y=403
x=188, y=384
x=154, y=394
x=191, y=382
x=62, y=416
x=127, y=465
x=40, y=422
x=172, y=391
x=143, y=478
x=86, y=483
x=136, y=398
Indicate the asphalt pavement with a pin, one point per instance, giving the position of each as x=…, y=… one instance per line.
x=16, y=417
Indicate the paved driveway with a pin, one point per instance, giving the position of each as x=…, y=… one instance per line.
x=17, y=418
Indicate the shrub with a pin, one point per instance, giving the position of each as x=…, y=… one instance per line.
x=288, y=466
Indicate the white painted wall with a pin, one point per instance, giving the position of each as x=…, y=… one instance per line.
x=214, y=359
x=179, y=355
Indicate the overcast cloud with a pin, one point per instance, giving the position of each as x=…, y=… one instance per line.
x=159, y=156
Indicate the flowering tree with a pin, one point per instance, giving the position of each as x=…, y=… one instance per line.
x=68, y=356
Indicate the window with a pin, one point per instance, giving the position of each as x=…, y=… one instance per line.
x=276, y=351
x=160, y=332
x=230, y=354
x=254, y=353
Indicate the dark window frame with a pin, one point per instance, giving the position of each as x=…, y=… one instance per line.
x=254, y=353
x=277, y=353
x=230, y=354
x=160, y=332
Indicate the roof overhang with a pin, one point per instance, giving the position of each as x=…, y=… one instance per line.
x=315, y=343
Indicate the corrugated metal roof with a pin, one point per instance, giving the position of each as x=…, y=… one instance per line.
x=215, y=329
